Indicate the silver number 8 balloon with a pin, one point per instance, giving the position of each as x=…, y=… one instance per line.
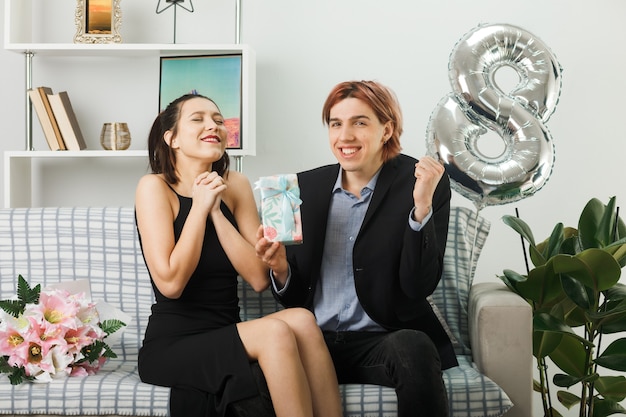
x=478, y=105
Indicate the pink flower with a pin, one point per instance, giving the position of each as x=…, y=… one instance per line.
x=11, y=334
x=16, y=336
x=76, y=339
x=57, y=308
x=85, y=368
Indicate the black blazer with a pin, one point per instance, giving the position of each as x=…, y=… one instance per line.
x=395, y=268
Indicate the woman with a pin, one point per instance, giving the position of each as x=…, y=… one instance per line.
x=197, y=223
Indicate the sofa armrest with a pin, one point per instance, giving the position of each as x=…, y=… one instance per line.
x=500, y=327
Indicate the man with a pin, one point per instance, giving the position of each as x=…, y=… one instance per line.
x=375, y=228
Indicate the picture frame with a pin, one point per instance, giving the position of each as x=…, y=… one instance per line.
x=222, y=77
x=98, y=21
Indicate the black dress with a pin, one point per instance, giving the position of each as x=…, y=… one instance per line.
x=191, y=343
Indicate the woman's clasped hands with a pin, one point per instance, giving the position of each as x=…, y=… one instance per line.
x=207, y=189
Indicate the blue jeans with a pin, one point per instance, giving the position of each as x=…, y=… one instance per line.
x=406, y=360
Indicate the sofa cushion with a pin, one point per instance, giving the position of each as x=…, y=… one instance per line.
x=470, y=394
x=467, y=233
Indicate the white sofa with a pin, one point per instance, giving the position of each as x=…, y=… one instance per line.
x=491, y=325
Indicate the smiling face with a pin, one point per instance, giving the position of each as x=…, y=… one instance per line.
x=356, y=138
x=200, y=131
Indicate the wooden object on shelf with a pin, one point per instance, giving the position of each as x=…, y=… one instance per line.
x=66, y=119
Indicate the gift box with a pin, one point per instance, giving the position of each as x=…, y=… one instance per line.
x=280, y=208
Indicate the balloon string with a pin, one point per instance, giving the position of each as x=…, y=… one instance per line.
x=523, y=246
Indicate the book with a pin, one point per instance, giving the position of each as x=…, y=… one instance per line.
x=66, y=119
x=44, y=92
x=44, y=118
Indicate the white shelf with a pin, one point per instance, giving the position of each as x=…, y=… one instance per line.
x=22, y=169
x=123, y=49
x=76, y=154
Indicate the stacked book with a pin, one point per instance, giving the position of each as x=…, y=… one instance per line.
x=57, y=118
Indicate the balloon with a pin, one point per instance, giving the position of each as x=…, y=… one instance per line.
x=478, y=105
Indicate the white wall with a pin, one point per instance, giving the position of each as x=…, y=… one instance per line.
x=304, y=48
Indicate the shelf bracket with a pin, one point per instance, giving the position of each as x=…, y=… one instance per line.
x=238, y=21
x=238, y=163
x=29, y=108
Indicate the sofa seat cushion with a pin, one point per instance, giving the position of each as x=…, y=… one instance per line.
x=116, y=389
x=470, y=394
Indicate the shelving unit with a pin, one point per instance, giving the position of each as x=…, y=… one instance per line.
x=24, y=168
x=154, y=51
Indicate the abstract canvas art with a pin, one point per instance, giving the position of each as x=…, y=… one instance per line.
x=218, y=77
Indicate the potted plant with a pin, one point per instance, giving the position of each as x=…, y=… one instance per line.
x=576, y=297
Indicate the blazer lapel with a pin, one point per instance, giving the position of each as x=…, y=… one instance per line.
x=316, y=202
x=387, y=175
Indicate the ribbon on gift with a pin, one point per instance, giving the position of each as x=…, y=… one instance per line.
x=280, y=185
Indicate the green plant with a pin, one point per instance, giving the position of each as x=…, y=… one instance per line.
x=576, y=298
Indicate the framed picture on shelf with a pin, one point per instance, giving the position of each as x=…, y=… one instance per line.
x=219, y=77
x=98, y=21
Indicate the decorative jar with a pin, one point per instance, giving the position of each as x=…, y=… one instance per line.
x=115, y=136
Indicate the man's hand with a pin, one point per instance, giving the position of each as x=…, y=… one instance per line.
x=428, y=172
x=274, y=255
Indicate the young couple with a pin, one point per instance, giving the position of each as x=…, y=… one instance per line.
x=374, y=227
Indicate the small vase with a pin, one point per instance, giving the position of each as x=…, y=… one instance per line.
x=115, y=136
